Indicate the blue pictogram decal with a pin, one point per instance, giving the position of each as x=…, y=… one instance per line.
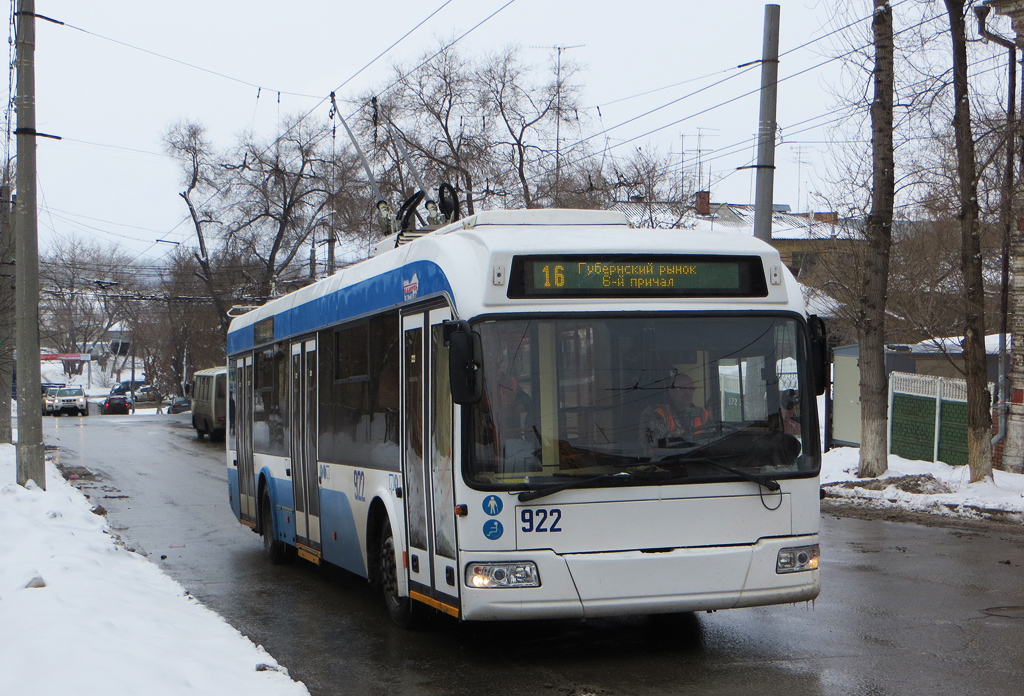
x=493, y=529
x=492, y=505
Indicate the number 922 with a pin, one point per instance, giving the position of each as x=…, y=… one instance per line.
x=540, y=519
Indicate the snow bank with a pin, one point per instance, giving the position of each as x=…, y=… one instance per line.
x=953, y=493
x=82, y=615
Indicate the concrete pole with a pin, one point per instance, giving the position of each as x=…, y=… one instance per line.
x=31, y=455
x=7, y=322
x=1013, y=449
x=765, y=187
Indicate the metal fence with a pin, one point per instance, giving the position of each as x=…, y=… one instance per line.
x=928, y=418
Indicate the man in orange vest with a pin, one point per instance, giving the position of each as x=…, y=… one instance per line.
x=678, y=418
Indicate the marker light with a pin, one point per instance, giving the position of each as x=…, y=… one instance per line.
x=797, y=558
x=484, y=575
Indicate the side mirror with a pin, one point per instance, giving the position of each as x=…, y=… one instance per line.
x=819, y=353
x=465, y=362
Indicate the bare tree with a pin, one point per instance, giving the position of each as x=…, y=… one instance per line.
x=526, y=114
x=277, y=197
x=436, y=113
x=874, y=279
x=186, y=142
x=979, y=421
x=75, y=310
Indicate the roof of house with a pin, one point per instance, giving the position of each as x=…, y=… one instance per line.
x=737, y=218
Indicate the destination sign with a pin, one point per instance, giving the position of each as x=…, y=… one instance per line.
x=636, y=275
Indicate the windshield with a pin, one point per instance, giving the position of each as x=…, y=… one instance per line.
x=642, y=401
x=70, y=392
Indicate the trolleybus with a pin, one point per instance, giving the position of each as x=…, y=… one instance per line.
x=485, y=421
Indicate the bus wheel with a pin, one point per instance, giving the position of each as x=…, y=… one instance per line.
x=276, y=550
x=399, y=608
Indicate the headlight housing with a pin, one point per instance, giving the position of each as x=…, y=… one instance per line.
x=796, y=559
x=515, y=574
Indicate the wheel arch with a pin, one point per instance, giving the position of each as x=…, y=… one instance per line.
x=384, y=507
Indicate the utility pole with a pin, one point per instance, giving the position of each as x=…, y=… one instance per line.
x=1013, y=450
x=31, y=455
x=6, y=305
x=764, y=192
x=1005, y=213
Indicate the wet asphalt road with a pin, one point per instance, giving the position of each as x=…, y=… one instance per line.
x=905, y=608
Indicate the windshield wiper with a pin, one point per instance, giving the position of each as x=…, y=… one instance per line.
x=526, y=496
x=766, y=481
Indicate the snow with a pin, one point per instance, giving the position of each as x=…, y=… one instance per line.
x=949, y=491
x=82, y=615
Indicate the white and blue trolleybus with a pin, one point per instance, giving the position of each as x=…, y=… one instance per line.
x=535, y=414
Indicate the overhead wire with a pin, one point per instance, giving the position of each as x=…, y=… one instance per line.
x=323, y=100
x=726, y=102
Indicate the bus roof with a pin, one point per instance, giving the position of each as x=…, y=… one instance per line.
x=469, y=261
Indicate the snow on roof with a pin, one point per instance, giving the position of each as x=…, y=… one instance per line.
x=735, y=218
x=819, y=302
x=952, y=345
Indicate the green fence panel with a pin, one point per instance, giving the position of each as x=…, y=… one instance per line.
x=912, y=434
x=953, y=433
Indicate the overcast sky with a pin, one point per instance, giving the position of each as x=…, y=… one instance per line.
x=111, y=102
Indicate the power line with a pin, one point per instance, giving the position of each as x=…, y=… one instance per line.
x=183, y=62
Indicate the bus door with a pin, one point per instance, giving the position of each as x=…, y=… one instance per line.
x=427, y=462
x=303, y=427
x=243, y=441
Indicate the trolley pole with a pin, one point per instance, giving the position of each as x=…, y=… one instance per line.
x=765, y=184
x=31, y=462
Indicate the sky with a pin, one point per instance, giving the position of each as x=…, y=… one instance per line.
x=68, y=587
x=113, y=78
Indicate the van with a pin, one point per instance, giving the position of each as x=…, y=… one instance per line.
x=209, y=402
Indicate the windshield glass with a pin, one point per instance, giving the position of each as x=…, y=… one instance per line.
x=70, y=392
x=664, y=400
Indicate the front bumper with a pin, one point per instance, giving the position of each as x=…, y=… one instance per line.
x=634, y=582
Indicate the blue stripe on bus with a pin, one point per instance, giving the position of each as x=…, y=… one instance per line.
x=281, y=497
x=380, y=292
x=236, y=504
x=337, y=519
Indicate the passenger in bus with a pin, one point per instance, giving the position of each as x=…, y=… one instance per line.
x=677, y=418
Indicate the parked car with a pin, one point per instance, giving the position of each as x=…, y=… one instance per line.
x=115, y=403
x=49, y=395
x=180, y=404
x=70, y=400
x=147, y=394
x=126, y=387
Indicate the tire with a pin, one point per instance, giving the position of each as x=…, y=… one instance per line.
x=199, y=431
x=399, y=608
x=276, y=550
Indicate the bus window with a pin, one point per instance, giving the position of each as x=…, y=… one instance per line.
x=570, y=398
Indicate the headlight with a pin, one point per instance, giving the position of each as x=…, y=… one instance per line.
x=485, y=575
x=797, y=558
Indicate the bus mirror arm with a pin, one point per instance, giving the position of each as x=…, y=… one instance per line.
x=465, y=362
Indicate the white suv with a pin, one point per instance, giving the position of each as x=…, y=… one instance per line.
x=70, y=400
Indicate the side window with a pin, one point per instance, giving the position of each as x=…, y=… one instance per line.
x=359, y=392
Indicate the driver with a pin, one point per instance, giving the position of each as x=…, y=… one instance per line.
x=678, y=417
